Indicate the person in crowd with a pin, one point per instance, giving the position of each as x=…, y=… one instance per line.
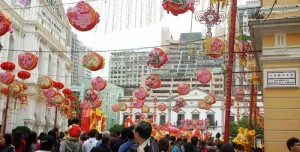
x=103, y=147
x=105, y=133
x=5, y=143
x=218, y=146
x=163, y=145
x=293, y=144
x=118, y=135
x=119, y=141
x=239, y=148
x=217, y=140
x=227, y=148
x=91, y=142
x=53, y=134
x=18, y=142
x=194, y=142
x=179, y=144
x=71, y=146
x=74, y=130
x=31, y=142
x=113, y=140
x=172, y=146
x=38, y=143
x=128, y=136
x=47, y=144
x=142, y=134
x=83, y=136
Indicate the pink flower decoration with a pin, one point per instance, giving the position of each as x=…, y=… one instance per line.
x=140, y=93
x=180, y=103
x=183, y=89
x=162, y=107
x=153, y=81
x=83, y=20
x=82, y=8
x=91, y=95
x=115, y=108
x=49, y=93
x=203, y=75
x=98, y=83
x=138, y=104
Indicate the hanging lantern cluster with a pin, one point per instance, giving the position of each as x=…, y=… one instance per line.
x=153, y=81
x=157, y=58
x=178, y=7
x=5, y=24
x=140, y=93
x=7, y=77
x=183, y=89
x=203, y=75
x=93, y=61
x=83, y=17
x=179, y=104
x=98, y=83
x=27, y=61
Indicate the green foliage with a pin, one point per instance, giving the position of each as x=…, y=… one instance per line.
x=244, y=124
x=233, y=130
x=116, y=128
x=23, y=129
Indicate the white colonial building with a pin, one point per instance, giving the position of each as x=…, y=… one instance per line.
x=191, y=111
x=43, y=30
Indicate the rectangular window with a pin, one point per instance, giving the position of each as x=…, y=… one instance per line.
x=137, y=116
x=231, y=118
x=211, y=117
x=195, y=116
x=162, y=119
x=180, y=117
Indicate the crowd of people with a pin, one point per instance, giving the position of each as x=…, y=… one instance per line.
x=132, y=139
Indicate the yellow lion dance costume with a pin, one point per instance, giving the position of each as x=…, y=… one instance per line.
x=244, y=137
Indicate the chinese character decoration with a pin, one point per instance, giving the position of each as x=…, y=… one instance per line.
x=178, y=6
x=83, y=17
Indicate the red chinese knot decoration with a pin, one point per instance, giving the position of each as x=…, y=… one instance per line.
x=157, y=58
x=140, y=93
x=5, y=24
x=98, y=83
x=27, y=61
x=183, y=89
x=153, y=81
x=23, y=75
x=83, y=17
x=203, y=75
x=178, y=6
x=7, y=77
x=93, y=61
x=9, y=66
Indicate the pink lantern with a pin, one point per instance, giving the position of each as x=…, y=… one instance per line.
x=180, y=103
x=93, y=61
x=153, y=81
x=122, y=106
x=138, y=104
x=91, y=95
x=96, y=103
x=27, y=61
x=157, y=58
x=145, y=109
x=49, y=93
x=217, y=48
x=57, y=99
x=210, y=99
x=115, y=108
x=45, y=82
x=7, y=77
x=183, y=89
x=201, y=104
x=140, y=93
x=239, y=93
x=98, y=83
x=203, y=75
x=162, y=107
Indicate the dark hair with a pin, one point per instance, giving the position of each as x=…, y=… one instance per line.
x=239, y=147
x=144, y=129
x=105, y=139
x=30, y=140
x=188, y=147
x=47, y=143
x=52, y=133
x=185, y=140
x=93, y=133
x=291, y=142
x=42, y=134
x=227, y=148
x=220, y=144
x=75, y=120
x=55, y=129
x=118, y=133
x=129, y=132
x=173, y=138
x=8, y=139
x=178, y=140
x=163, y=144
x=218, y=135
x=194, y=140
x=17, y=139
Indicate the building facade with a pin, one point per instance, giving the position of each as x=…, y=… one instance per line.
x=45, y=31
x=277, y=37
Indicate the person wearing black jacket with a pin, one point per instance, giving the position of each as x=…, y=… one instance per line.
x=142, y=134
x=103, y=147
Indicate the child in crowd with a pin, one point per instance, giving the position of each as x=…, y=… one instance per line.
x=73, y=131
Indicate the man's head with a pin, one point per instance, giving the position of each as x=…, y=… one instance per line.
x=179, y=141
x=93, y=133
x=194, y=140
x=142, y=131
x=293, y=144
x=105, y=140
x=56, y=132
x=47, y=143
x=75, y=120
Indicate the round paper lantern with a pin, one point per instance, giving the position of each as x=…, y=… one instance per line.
x=5, y=24
x=115, y=108
x=203, y=75
x=93, y=61
x=217, y=48
x=27, y=61
x=239, y=93
x=7, y=77
x=83, y=17
x=157, y=58
x=9, y=66
x=57, y=99
x=178, y=7
x=210, y=99
x=23, y=75
x=58, y=85
x=44, y=82
x=145, y=109
x=153, y=81
x=183, y=89
x=162, y=107
x=67, y=92
x=67, y=102
x=74, y=98
x=50, y=92
x=91, y=95
x=15, y=88
x=201, y=104
x=122, y=106
x=98, y=83
x=4, y=91
x=138, y=104
x=96, y=103
x=207, y=107
x=73, y=106
x=84, y=104
x=140, y=93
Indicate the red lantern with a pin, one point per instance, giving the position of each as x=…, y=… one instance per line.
x=5, y=24
x=67, y=101
x=73, y=106
x=27, y=61
x=93, y=61
x=58, y=85
x=74, y=98
x=178, y=7
x=4, y=91
x=83, y=17
x=9, y=66
x=45, y=82
x=157, y=58
x=217, y=48
x=7, y=77
x=23, y=75
x=67, y=92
